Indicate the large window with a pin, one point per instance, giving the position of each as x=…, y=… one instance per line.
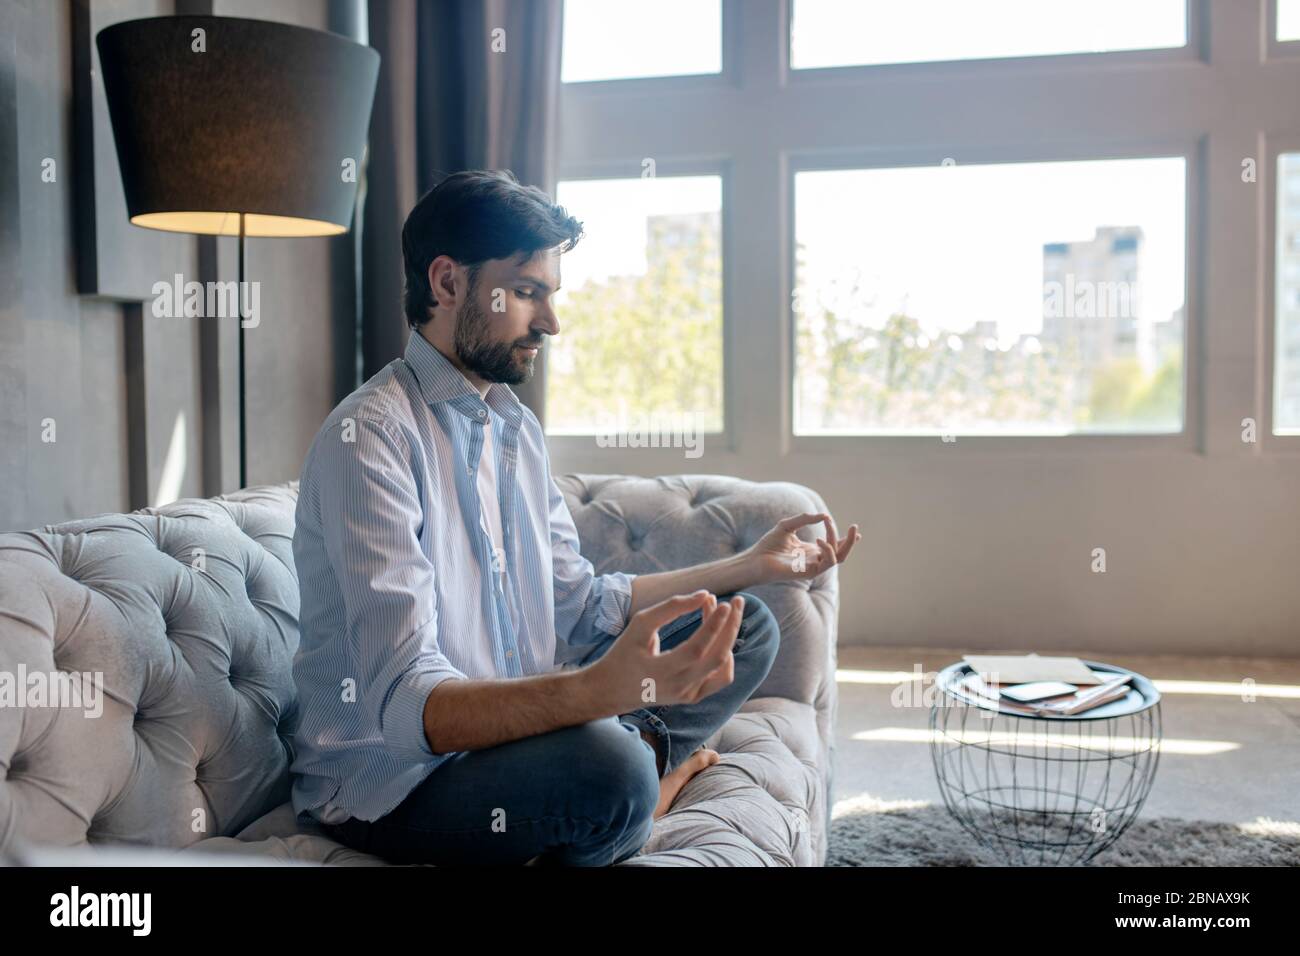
x=1014, y=285
x=1081, y=272
x=640, y=306
x=832, y=33
x=1017, y=298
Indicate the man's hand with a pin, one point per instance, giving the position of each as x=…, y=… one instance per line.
x=633, y=673
x=780, y=555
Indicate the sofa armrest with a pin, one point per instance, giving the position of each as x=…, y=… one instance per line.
x=644, y=525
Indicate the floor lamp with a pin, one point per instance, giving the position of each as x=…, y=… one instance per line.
x=233, y=127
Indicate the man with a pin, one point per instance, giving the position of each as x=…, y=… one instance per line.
x=469, y=690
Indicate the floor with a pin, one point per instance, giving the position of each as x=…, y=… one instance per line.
x=1224, y=759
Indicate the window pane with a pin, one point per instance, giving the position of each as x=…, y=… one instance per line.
x=855, y=32
x=640, y=309
x=1286, y=340
x=623, y=39
x=1021, y=298
x=1288, y=19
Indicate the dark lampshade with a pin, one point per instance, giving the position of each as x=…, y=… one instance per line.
x=263, y=122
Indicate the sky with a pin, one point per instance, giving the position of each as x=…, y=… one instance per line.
x=952, y=244
x=614, y=213
x=615, y=39
x=1288, y=19
x=842, y=32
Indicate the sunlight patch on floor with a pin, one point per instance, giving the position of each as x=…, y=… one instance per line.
x=908, y=735
x=1267, y=826
x=865, y=803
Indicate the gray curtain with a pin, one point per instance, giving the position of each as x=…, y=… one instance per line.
x=446, y=101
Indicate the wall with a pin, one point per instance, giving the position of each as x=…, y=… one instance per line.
x=145, y=409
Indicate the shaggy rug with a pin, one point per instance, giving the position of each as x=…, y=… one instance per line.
x=870, y=832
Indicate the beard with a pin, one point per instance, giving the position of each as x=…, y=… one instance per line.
x=492, y=361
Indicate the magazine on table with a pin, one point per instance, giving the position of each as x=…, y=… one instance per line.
x=1075, y=701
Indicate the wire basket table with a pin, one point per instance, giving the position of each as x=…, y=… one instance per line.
x=1044, y=790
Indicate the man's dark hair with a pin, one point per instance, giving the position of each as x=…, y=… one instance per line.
x=472, y=216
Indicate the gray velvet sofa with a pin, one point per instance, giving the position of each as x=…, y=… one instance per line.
x=190, y=613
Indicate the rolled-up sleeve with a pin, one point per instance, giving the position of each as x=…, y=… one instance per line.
x=370, y=518
x=589, y=607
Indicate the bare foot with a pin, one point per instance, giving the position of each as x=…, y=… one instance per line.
x=671, y=785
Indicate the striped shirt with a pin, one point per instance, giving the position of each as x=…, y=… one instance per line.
x=397, y=579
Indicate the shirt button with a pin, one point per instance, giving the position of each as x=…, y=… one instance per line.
x=510, y=653
x=481, y=413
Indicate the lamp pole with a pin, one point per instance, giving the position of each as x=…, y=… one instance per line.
x=243, y=416
x=254, y=139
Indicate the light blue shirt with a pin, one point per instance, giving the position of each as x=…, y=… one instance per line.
x=397, y=581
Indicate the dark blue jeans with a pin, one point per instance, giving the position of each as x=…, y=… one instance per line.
x=580, y=796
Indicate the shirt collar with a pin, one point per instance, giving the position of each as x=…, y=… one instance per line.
x=440, y=381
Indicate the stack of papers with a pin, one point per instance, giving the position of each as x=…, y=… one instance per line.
x=1024, y=668
x=993, y=676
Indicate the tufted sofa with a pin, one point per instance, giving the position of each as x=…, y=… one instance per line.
x=189, y=612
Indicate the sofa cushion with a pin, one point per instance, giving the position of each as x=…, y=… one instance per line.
x=754, y=807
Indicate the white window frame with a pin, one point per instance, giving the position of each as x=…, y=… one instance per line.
x=1208, y=101
x=1274, y=146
